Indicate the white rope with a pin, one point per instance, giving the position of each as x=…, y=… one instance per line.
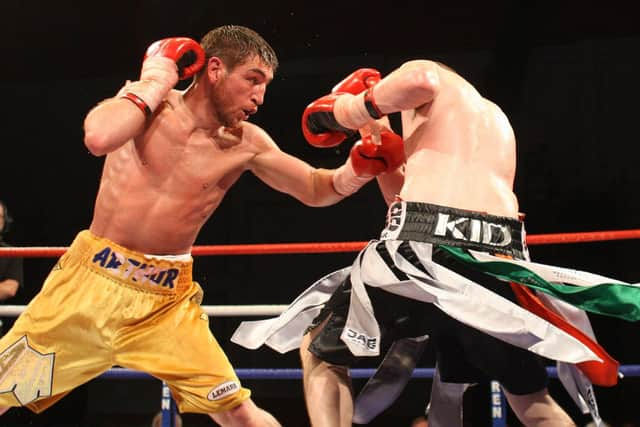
x=211, y=310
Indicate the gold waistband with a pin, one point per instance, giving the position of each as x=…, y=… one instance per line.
x=130, y=267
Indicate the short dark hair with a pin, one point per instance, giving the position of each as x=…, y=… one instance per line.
x=234, y=44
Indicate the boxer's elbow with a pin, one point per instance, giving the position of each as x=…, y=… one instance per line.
x=425, y=83
x=95, y=141
x=106, y=128
x=101, y=137
x=95, y=129
x=422, y=79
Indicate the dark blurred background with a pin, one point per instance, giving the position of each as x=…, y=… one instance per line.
x=565, y=72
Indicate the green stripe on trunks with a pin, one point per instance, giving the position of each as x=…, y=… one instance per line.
x=609, y=299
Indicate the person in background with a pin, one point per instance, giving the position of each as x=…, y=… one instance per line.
x=11, y=269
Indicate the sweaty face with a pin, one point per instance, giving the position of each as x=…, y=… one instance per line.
x=240, y=91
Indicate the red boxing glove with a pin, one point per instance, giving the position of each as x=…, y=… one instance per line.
x=319, y=125
x=371, y=159
x=165, y=62
x=358, y=81
x=185, y=52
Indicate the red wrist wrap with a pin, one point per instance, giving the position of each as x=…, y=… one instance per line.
x=138, y=102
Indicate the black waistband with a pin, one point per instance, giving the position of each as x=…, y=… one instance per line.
x=424, y=222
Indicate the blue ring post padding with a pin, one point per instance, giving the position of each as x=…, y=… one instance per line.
x=168, y=408
x=498, y=406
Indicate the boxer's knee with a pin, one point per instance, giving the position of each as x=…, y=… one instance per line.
x=246, y=414
x=309, y=359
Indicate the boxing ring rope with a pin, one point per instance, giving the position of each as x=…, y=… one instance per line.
x=167, y=404
x=329, y=247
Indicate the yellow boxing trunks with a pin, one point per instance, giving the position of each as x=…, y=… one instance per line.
x=103, y=305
